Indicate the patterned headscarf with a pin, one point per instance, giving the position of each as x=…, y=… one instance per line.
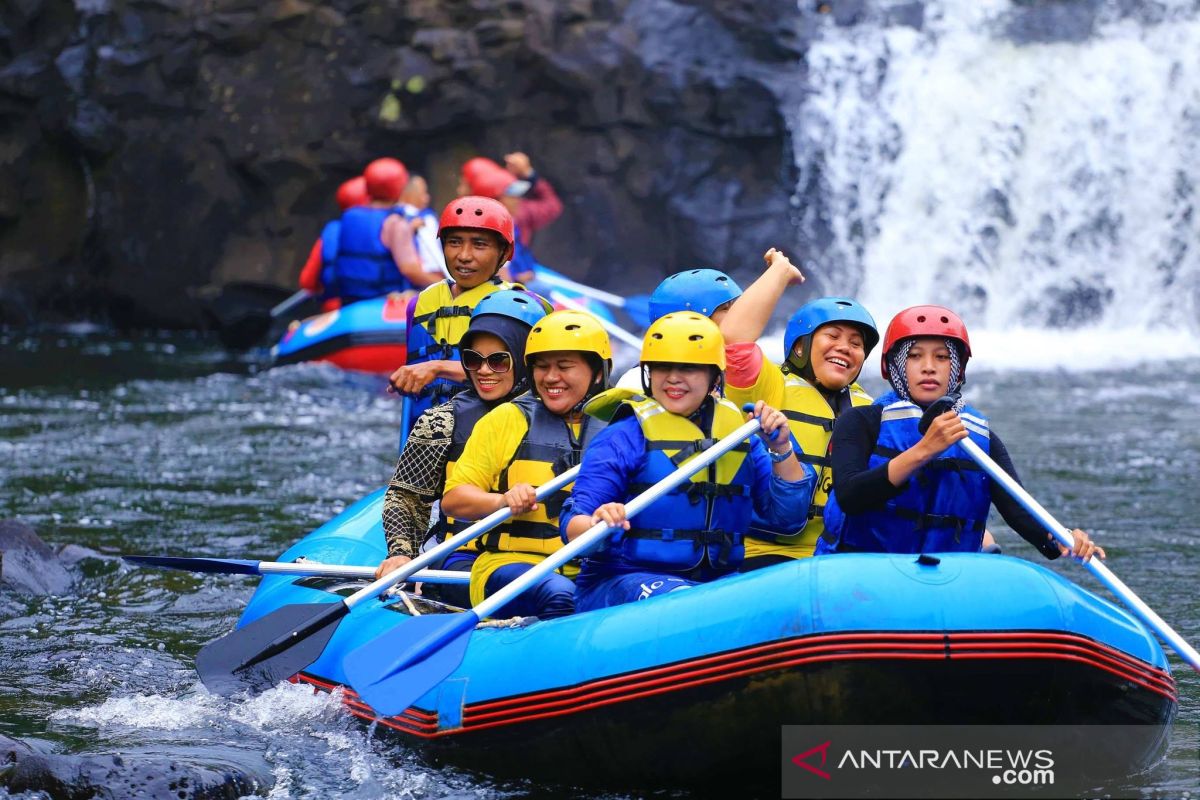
x=898, y=358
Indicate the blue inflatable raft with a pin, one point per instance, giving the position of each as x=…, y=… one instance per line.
x=691, y=689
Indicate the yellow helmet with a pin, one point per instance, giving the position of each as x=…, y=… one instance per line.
x=684, y=337
x=568, y=330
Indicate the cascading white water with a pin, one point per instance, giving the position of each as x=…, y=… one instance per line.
x=1046, y=191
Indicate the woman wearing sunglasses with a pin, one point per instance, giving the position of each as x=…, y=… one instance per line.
x=492, y=355
x=522, y=444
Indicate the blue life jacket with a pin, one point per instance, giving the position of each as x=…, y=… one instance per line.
x=364, y=267
x=706, y=517
x=944, y=505
x=329, y=250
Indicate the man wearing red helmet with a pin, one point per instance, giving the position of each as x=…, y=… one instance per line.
x=477, y=238
x=376, y=253
x=528, y=196
x=898, y=490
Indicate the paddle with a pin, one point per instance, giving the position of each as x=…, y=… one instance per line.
x=277, y=646
x=613, y=328
x=1063, y=536
x=393, y=670
x=238, y=566
x=406, y=421
x=290, y=303
x=637, y=306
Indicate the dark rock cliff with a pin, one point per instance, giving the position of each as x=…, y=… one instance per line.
x=152, y=147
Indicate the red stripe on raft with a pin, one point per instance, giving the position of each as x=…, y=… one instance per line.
x=771, y=657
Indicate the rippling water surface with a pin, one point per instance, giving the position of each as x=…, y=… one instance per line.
x=164, y=444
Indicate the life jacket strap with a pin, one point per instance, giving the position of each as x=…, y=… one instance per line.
x=925, y=521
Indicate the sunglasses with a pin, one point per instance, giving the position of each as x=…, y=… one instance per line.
x=497, y=362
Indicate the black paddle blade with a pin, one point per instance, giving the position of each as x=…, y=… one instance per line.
x=227, y=566
x=936, y=409
x=270, y=649
x=393, y=670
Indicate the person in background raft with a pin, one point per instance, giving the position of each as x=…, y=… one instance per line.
x=896, y=490
x=376, y=253
x=825, y=343
x=521, y=445
x=527, y=195
x=693, y=534
x=477, y=238
x=414, y=203
x=708, y=292
x=316, y=276
x=493, y=356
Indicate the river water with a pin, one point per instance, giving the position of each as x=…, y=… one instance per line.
x=161, y=443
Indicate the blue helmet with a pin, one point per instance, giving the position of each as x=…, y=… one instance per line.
x=522, y=306
x=814, y=314
x=699, y=290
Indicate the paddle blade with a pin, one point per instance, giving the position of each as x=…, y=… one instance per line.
x=270, y=649
x=392, y=671
x=228, y=566
x=638, y=309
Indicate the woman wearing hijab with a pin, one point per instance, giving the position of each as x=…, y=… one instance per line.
x=493, y=357
x=898, y=490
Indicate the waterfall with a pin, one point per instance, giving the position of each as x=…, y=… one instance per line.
x=1045, y=189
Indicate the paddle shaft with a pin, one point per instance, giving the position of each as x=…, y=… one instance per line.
x=592, y=535
x=240, y=566
x=290, y=303
x=563, y=282
x=616, y=330
x=1098, y=568
x=435, y=554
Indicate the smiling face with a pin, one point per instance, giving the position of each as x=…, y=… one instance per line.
x=837, y=354
x=472, y=255
x=490, y=385
x=680, y=388
x=561, y=379
x=928, y=369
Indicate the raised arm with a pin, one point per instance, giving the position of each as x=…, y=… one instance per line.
x=750, y=313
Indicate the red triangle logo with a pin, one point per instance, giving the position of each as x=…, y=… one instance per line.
x=802, y=760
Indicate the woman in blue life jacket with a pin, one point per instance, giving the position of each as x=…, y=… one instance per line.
x=493, y=358
x=695, y=533
x=521, y=445
x=896, y=490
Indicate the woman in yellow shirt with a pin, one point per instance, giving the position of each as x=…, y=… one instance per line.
x=521, y=445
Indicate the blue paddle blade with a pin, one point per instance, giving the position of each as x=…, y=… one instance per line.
x=638, y=309
x=226, y=566
x=392, y=671
x=270, y=649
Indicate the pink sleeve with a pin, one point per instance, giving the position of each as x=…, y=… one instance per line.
x=743, y=363
x=538, y=209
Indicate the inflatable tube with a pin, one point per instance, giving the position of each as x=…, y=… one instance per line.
x=691, y=688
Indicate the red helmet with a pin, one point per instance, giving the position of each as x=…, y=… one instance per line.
x=486, y=178
x=478, y=212
x=924, y=321
x=353, y=193
x=386, y=179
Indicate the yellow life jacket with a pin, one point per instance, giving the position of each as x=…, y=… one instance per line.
x=549, y=448
x=810, y=419
x=440, y=319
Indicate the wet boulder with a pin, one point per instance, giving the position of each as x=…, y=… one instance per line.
x=27, y=564
x=100, y=777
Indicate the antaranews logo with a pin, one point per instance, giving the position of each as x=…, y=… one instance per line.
x=801, y=760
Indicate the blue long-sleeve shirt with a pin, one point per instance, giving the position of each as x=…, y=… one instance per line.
x=613, y=460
